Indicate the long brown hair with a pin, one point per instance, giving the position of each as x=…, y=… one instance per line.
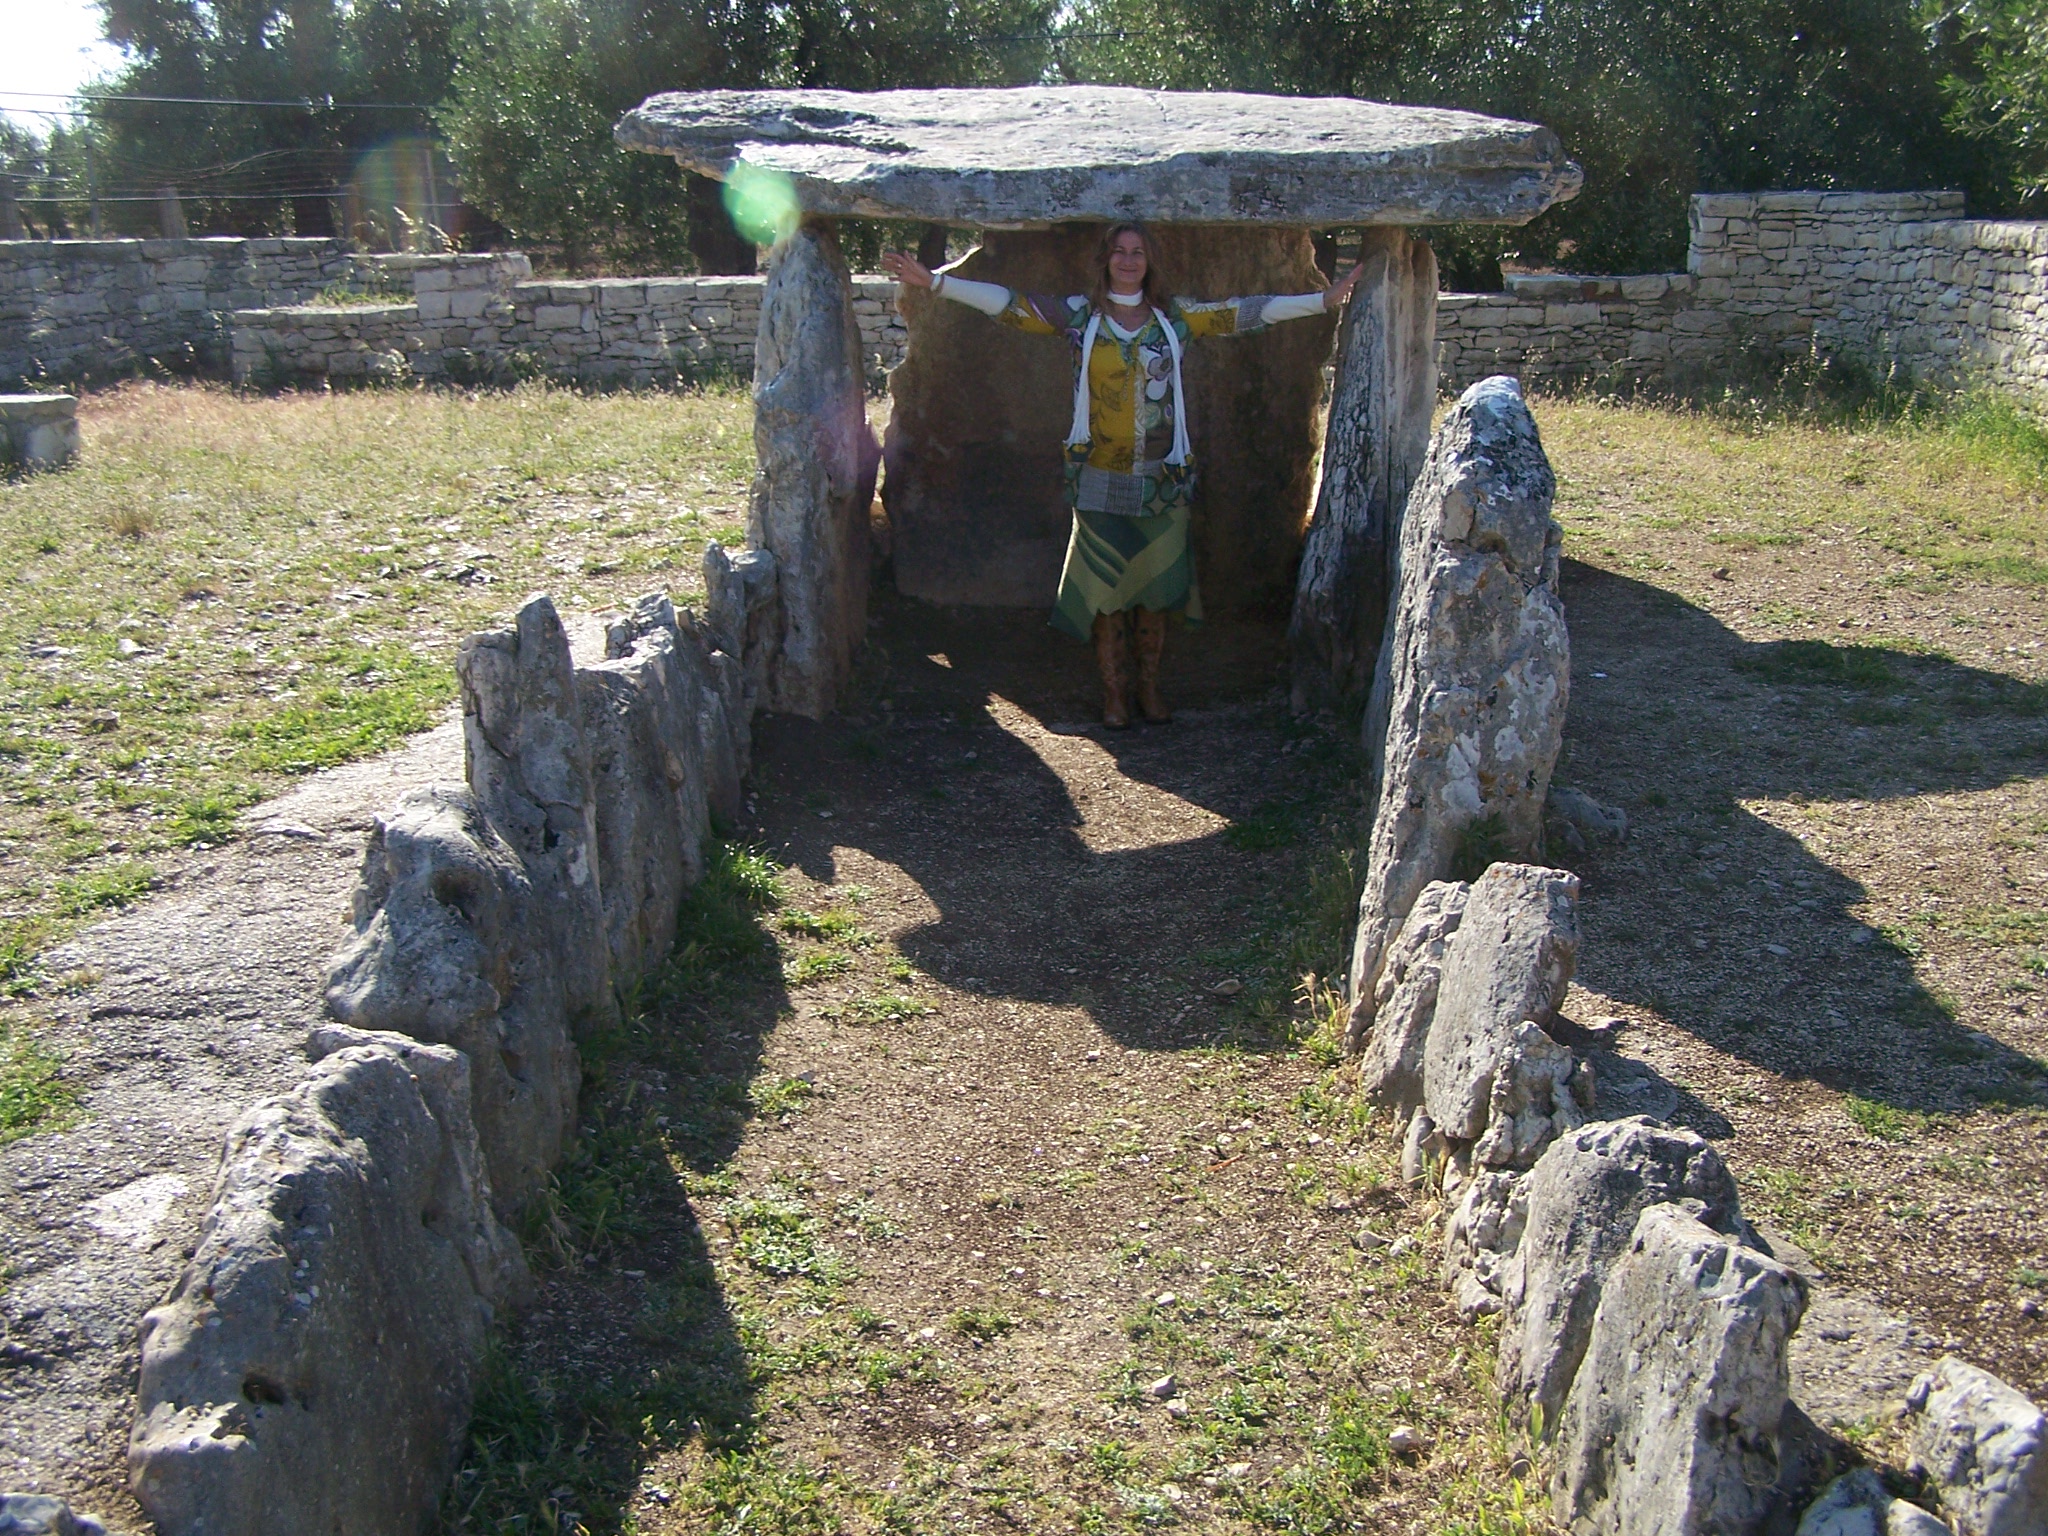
x=1156, y=292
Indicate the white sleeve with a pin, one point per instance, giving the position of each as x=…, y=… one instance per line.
x=1291, y=306
x=989, y=298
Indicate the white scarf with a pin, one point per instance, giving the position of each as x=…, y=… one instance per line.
x=1078, y=434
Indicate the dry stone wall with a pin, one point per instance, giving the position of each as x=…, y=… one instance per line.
x=1890, y=278
x=82, y=309
x=479, y=317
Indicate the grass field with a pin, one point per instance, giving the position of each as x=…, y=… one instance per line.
x=230, y=591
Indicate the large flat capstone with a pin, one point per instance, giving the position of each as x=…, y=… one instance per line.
x=1035, y=155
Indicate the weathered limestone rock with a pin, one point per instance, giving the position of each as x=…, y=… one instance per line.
x=453, y=947
x=1397, y=1026
x=1984, y=1446
x=1582, y=1201
x=641, y=718
x=974, y=489
x=1480, y=1239
x=529, y=768
x=1373, y=449
x=1672, y=1422
x=37, y=1514
x=1510, y=963
x=816, y=475
x=1859, y=1504
x=1469, y=703
x=1533, y=1100
x=1587, y=816
x=1041, y=154
x=38, y=431
x=744, y=613
x=314, y=1368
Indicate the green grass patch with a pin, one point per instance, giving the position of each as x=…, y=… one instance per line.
x=1819, y=662
x=1883, y=1121
x=777, y=1234
x=1274, y=824
x=32, y=1095
x=882, y=1008
x=104, y=890
x=835, y=925
x=985, y=1324
x=819, y=965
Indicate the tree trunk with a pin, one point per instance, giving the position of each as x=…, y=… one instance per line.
x=720, y=249
x=313, y=216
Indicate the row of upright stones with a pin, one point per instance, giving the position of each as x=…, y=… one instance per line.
x=315, y=1365
x=1644, y=1324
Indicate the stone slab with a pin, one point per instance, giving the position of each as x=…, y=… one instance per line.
x=1036, y=155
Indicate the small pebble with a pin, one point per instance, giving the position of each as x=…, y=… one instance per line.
x=1403, y=1441
x=1166, y=1298
x=1163, y=1388
x=1177, y=1408
x=2030, y=1308
x=1229, y=987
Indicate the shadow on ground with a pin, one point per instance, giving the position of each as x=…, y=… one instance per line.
x=632, y=1348
x=971, y=760
x=1729, y=925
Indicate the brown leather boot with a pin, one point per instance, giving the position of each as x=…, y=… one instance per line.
x=1149, y=630
x=1112, y=655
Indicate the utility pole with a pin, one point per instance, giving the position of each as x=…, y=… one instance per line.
x=10, y=210
x=171, y=214
x=92, y=190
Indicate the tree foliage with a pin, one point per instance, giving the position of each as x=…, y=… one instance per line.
x=1655, y=100
x=541, y=83
x=242, y=167
x=1998, y=83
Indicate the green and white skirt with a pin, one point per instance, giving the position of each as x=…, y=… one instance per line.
x=1116, y=562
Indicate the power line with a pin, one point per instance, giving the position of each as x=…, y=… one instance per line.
x=307, y=104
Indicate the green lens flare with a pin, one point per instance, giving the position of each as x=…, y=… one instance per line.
x=762, y=203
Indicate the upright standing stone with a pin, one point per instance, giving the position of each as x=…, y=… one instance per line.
x=38, y=431
x=1373, y=449
x=1672, y=1422
x=1390, y=1076
x=453, y=946
x=1510, y=964
x=817, y=461
x=640, y=715
x=529, y=768
x=1582, y=1201
x=1468, y=707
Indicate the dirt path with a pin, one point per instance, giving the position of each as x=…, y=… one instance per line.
x=1018, y=1128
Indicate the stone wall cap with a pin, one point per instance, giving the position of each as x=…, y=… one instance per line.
x=1026, y=156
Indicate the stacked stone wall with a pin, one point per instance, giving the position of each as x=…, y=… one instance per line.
x=74, y=310
x=478, y=321
x=1889, y=279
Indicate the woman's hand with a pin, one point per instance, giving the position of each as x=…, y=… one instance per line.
x=1335, y=295
x=907, y=270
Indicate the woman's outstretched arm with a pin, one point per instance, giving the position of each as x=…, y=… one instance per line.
x=992, y=299
x=1249, y=314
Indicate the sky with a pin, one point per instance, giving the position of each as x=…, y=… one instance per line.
x=53, y=47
